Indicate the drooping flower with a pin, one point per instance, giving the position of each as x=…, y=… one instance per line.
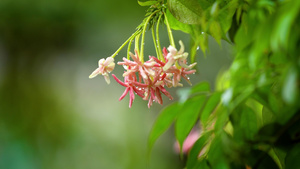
x=105, y=66
x=148, y=79
x=132, y=86
x=144, y=69
x=175, y=55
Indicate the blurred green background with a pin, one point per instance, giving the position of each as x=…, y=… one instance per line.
x=51, y=115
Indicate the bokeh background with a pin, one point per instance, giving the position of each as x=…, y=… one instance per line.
x=51, y=115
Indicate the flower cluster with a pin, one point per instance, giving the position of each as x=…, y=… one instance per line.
x=148, y=79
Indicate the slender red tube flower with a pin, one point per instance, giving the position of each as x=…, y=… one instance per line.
x=131, y=87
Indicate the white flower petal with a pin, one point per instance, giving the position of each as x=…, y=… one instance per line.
x=108, y=61
x=101, y=61
x=106, y=77
x=172, y=50
x=95, y=73
x=181, y=47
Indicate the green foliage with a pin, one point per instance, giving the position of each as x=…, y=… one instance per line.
x=254, y=121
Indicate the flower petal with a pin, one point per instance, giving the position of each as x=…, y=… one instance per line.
x=181, y=47
x=106, y=77
x=95, y=73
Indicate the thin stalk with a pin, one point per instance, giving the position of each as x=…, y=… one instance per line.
x=160, y=55
x=136, y=44
x=154, y=41
x=169, y=31
x=143, y=36
x=129, y=47
x=121, y=47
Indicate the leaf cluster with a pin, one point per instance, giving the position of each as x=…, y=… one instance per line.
x=252, y=119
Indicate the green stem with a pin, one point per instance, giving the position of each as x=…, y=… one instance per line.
x=169, y=32
x=160, y=55
x=128, y=49
x=143, y=36
x=155, y=44
x=121, y=47
x=136, y=44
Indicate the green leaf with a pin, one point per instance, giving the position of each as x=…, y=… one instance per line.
x=147, y=3
x=248, y=123
x=220, y=145
x=267, y=133
x=176, y=25
x=260, y=160
x=292, y=158
x=210, y=105
x=192, y=160
x=267, y=116
x=186, y=11
x=203, y=164
x=202, y=87
x=245, y=123
x=216, y=31
x=163, y=122
x=188, y=116
x=286, y=18
x=193, y=50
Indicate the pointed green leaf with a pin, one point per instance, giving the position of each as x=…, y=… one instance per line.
x=163, y=122
x=292, y=158
x=188, y=116
x=216, y=31
x=196, y=149
x=210, y=105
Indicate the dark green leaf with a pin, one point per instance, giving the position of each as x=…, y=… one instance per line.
x=281, y=156
x=268, y=133
x=260, y=160
x=163, y=122
x=186, y=11
x=188, y=116
x=292, y=160
x=176, y=25
x=267, y=116
x=245, y=124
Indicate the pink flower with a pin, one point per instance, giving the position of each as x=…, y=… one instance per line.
x=155, y=88
x=105, y=66
x=136, y=65
x=148, y=79
x=175, y=55
x=132, y=86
